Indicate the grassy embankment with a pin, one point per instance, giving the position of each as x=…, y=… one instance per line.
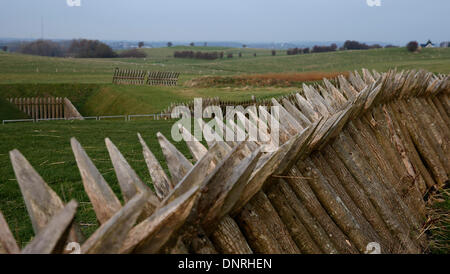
x=17, y=71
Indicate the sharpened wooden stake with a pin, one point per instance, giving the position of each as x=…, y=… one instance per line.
x=54, y=235
x=41, y=201
x=196, y=148
x=161, y=182
x=177, y=163
x=129, y=182
x=153, y=233
x=109, y=238
x=103, y=199
x=7, y=241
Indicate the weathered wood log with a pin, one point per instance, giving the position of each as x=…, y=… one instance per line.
x=299, y=233
x=307, y=197
x=306, y=108
x=227, y=228
x=7, y=242
x=336, y=207
x=411, y=150
x=269, y=165
x=161, y=182
x=296, y=113
x=195, y=147
x=383, y=166
x=153, y=233
x=314, y=98
x=359, y=197
x=263, y=227
x=109, y=238
x=368, y=181
x=440, y=107
x=103, y=199
x=229, y=239
x=178, y=164
x=221, y=191
x=287, y=119
x=434, y=133
x=435, y=112
x=401, y=159
x=200, y=171
x=53, y=236
x=41, y=201
x=129, y=182
x=383, y=133
x=332, y=188
x=349, y=91
x=421, y=142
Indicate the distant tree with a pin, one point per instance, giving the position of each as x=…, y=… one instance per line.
x=192, y=44
x=390, y=46
x=274, y=52
x=375, y=46
x=205, y=44
x=42, y=48
x=5, y=48
x=316, y=49
x=169, y=44
x=305, y=50
x=132, y=53
x=140, y=44
x=84, y=48
x=230, y=55
x=240, y=54
x=221, y=55
x=244, y=46
x=354, y=45
x=412, y=46
x=254, y=54
x=294, y=51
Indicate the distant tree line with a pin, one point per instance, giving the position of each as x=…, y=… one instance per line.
x=198, y=55
x=332, y=47
x=355, y=45
x=348, y=45
x=295, y=51
x=77, y=48
x=42, y=48
x=315, y=49
x=84, y=48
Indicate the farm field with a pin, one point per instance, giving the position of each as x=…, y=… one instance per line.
x=48, y=74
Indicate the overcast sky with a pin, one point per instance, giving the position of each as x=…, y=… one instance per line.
x=395, y=21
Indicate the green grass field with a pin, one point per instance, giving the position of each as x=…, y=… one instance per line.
x=87, y=82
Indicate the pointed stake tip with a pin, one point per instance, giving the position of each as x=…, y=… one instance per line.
x=15, y=153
